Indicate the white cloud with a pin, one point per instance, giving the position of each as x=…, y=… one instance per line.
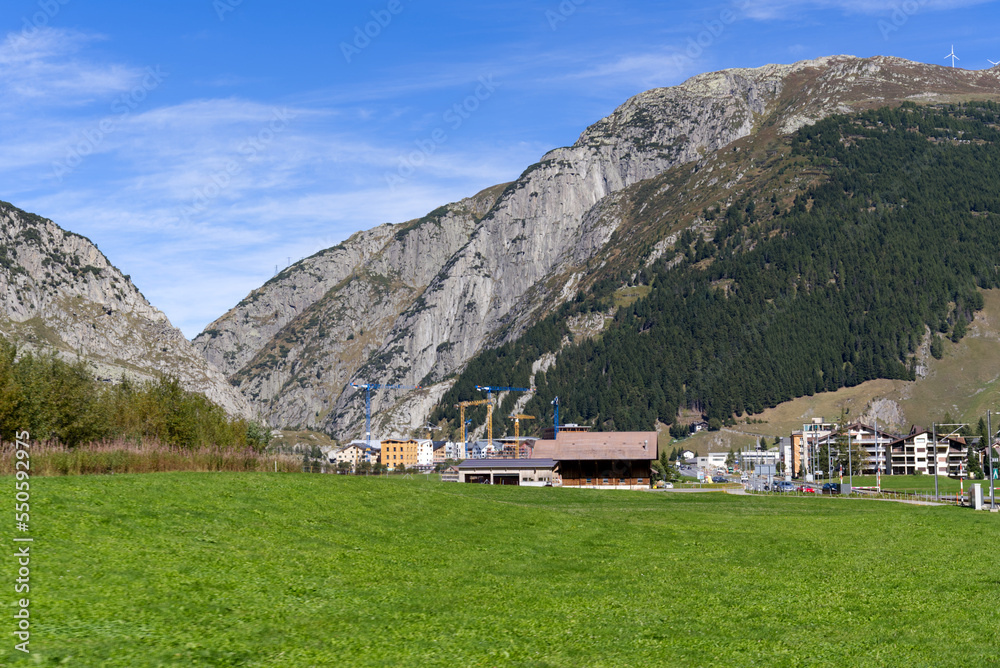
x=41, y=69
x=298, y=186
x=644, y=70
x=766, y=10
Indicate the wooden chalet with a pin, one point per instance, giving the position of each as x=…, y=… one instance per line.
x=603, y=459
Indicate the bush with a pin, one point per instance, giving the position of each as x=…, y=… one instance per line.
x=61, y=402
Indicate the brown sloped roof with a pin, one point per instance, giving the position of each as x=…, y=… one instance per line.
x=598, y=445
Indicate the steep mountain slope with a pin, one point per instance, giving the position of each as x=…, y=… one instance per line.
x=60, y=292
x=548, y=235
x=859, y=238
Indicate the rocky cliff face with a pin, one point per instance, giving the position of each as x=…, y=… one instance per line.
x=411, y=304
x=60, y=292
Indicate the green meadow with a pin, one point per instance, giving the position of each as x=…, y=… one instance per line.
x=230, y=569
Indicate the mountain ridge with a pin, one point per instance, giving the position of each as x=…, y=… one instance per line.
x=62, y=294
x=529, y=252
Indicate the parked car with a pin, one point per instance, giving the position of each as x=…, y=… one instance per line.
x=831, y=488
x=808, y=489
x=783, y=486
x=718, y=478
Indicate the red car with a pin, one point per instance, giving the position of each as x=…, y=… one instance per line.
x=807, y=488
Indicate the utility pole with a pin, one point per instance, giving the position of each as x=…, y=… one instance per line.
x=829, y=459
x=934, y=435
x=850, y=462
x=989, y=456
x=877, y=467
x=955, y=429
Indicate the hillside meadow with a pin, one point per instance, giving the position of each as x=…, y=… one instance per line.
x=227, y=569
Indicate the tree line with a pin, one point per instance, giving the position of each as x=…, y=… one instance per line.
x=56, y=400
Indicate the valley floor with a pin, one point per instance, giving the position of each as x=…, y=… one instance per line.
x=227, y=569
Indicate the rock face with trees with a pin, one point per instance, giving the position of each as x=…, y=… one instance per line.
x=746, y=237
x=417, y=302
x=60, y=293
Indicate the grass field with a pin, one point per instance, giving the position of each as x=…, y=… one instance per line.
x=920, y=483
x=183, y=569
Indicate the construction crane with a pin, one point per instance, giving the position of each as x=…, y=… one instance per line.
x=461, y=408
x=368, y=387
x=517, y=417
x=489, y=390
x=555, y=402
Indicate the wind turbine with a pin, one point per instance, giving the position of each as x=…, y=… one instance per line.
x=952, y=56
x=992, y=63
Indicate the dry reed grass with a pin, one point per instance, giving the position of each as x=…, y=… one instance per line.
x=121, y=456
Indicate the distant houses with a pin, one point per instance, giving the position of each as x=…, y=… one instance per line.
x=880, y=450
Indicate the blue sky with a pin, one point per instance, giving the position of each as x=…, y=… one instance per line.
x=202, y=143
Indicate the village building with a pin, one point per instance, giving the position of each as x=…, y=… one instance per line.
x=712, y=461
x=523, y=472
x=351, y=454
x=915, y=453
x=440, y=452
x=876, y=443
x=454, y=450
x=425, y=454
x=755, y=459
x=548, y=433
x=806, y=443
x=370, y=449
x=605, y=459
x=397, y=451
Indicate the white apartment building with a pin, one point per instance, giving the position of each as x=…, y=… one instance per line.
x=915, y=453
x=875, y=442
x=425, y=454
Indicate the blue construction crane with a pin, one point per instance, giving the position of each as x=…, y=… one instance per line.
x=555, y=402
x=368, y=387
x=489, y=390
x=465, y=438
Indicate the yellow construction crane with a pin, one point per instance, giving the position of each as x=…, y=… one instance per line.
x=517, y=417
x=489, y=410
x=489, y=390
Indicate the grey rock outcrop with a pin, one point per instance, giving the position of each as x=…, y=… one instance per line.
x=59, y=292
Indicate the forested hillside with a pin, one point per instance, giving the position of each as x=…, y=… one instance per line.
x=788, y=297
